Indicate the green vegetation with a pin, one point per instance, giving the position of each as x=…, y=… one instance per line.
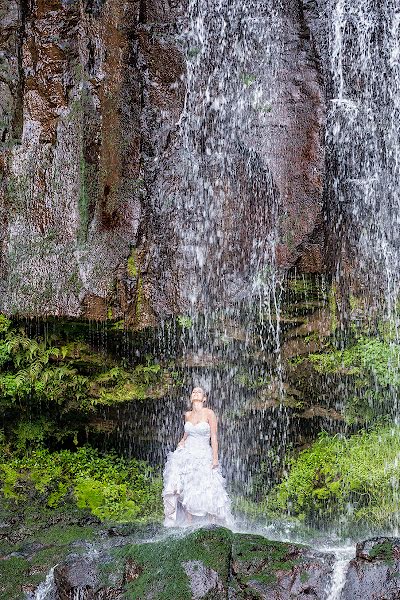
x=252, y=381
x=111, y=487
x=49, y=390
x=132, y=264
x=37, y=539
x=184, y=321
x=64, y=381
x=370, y=356
x=338, y=475
x=248, y=79
x=160, y=563
x=258, y=559
x=193, y=52
x=383, y=551
x=12, y=571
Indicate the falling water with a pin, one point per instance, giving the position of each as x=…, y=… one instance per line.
x=363, y=142
x=363, y=150
x=225, y=216
x=46, y=591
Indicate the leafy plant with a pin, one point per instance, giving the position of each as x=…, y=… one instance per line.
x=185, y=321
x=248, y=79
x=111, y=487
x=65, y=381
x=353, y=475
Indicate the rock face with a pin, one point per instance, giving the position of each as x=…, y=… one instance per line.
x=277, y=571
x=231, y=566
x=92, y=101
x=375, y=572
x=227, y=566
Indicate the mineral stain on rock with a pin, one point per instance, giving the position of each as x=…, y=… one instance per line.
x=90, y=98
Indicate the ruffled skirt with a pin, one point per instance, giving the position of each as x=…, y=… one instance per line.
x=193, y=487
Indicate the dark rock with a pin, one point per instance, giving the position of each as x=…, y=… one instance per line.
x=375, y=572
x=75, y=574
x=279, y=571
x=79, y=577
x=90, y=100
x=204, y=581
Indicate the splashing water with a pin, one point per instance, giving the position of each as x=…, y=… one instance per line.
x=364, y=144
x=225, y=222
x=46, y=590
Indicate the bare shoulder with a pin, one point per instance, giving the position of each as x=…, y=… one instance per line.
x=187, y=414
x=211, y=414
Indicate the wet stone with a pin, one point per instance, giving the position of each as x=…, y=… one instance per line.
x=375, y=572
x=203, y=580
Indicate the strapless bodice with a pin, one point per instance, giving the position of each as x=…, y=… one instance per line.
x=200, y=430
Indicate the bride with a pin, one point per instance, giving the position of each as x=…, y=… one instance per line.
x=194, y=488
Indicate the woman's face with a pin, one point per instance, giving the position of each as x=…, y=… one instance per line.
x=197, y=396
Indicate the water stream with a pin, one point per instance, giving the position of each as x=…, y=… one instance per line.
x=234, y=336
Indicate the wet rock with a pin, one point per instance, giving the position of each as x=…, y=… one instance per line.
x=321, y=411
x=279, y=571
x=204, y=581
x=74, y=574
x=90, y=101
x=374, y=574
x=79, y=577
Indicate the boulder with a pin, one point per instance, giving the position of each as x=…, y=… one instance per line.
x=374, y=574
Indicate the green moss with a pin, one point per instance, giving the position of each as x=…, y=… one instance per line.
x=13, y=572
x=336, y=472
x=383, y=551
x=65, y=534
x=161, y=563
x=302, y=286
x=260, y=560
x=132, y=264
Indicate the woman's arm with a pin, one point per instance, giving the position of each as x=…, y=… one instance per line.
x=212, y=419
x=185, y=435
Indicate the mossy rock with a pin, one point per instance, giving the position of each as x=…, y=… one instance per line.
x=265, y=569
x=163, y=569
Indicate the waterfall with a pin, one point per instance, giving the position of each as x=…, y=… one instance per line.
x=225, y=219
x=363, y=146
x=46, y=591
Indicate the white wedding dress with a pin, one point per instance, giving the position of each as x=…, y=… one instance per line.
x=192, y=486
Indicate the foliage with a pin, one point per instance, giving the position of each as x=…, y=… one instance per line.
x=65, y=381
x=369, y=355
x=119, y=385
x=338, y=475
x=111, y=487
x=248, y=79
x=184, y=321
x=252, y=381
